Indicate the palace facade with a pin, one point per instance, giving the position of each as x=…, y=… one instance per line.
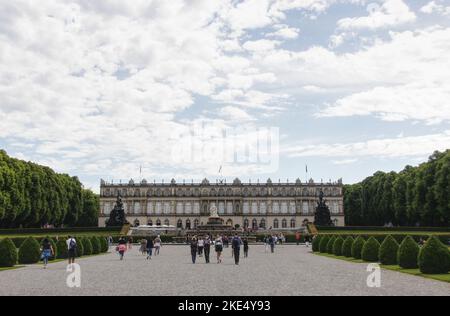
x=252, y=205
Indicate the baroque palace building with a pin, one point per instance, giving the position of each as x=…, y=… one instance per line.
x=250, y=205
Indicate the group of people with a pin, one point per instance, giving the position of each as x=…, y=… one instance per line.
x=201, y=246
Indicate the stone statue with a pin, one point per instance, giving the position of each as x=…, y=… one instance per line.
x=117, y=216
x=322, y=216
x=213, y=211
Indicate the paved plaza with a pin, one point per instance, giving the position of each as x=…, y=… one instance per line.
x=292, y=270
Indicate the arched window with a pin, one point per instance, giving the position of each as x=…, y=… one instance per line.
x=246, y=223
x=158, y=222
x=196, y=222
x=188, y=224
x=136, y=223
x=293, y=223
x=230, y=222
x=262, y=224
x=180, y=224
x=275, y=223
x=166, y=222
x=255, y=224
x=284, y=223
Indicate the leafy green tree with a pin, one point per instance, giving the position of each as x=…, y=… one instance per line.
x=8, y=253
x=388, y=251
x=29, y=251
x=408, y=253
x=434, y=257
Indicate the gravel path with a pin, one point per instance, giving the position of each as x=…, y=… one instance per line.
x=292, y=270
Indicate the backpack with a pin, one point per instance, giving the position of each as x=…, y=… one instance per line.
x=236, y=243
x=72, y=244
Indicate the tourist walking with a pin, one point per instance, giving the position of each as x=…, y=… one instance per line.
x=225, y=241
x=200, y=246
x=194, y=249
x=157, y=244
x=110, y=242
x=272, y=241
x=47, y=251
x=218, y=247
x=72, y=249
x=297, y=237
x=266, y=243
x=143, y=248
x=236, y=243
x=245, y=243
x=307, y=240
x=130, y=243
x=150, y=247
x=207, y=248
x=122, y=248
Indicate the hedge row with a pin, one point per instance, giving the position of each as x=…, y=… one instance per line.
x=65, y=231
x=29, y=251
x=383, y=229
x=432, y=258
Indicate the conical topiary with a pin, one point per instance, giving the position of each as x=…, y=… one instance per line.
x=347, y=247
x=357, y=247
x=330, y=245
x=324, y=243
x=408, y=253
x=80, y=247
x=371, y=250
x=8, y=253
x=434, y=257
x=29, y=251
x=103, y=244
x=96, y=246
x=316, y=243
x=61, y=249
x=87, y=246
x=337, y=246
x=388, y=251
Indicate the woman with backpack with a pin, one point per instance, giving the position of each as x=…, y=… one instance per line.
x=71, y=249
x=218, y=245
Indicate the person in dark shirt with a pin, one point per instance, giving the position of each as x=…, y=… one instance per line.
x=150, y=247
x=47, y=251
x=236, y=243
x=245, y=242
x=194, y=249
x=207, y=248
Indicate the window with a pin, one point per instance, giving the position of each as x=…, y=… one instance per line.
x=305, y=208
x=179, y=208
x=246, y=207
x=230, y=208
x=196, y=208
x=335, y=208
x=188, y=224
x=263, y=208
x=245, y=223
x=158, y=222
x=196, y=222
x=150, y=208
x=150, y=223
x=262, y=224
x=275, y=223
x=158, y=208
x=137, y=208
x=254, y=224
x=284, y=223
x=276, y=208
x=107, y=208
x=188, y=208
x=221, y=208
x=254, y=208
x=166, y=208
x=292, y=208
x=180, y=224
x=230, y=222
x=166, y=222
x=293, y=223
x=284, y=208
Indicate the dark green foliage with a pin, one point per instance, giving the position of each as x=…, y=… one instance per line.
x=87, y=246
x=316, y=243
x=388, y=251
x=33, y=195
x=29, y=251
x=96, y=246
x=61, y=249
x=371, y=250
x=330, y=244
x=80, y=247
x=337, y=246
x=347, y=247
x=357, y=247
x=324, y=243
x=408, y=253
x=103, y=244
x=434, y=257
x=8, y=253
x=417, y=195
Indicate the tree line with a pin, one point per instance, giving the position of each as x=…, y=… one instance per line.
x=416, y=196
x=32, y=196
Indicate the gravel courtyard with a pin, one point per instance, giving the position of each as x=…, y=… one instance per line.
x=292, y=270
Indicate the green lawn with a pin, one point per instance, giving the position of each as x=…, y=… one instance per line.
x=374, y=232
x=416, y=272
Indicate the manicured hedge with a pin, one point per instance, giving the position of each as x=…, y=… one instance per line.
x=96, y=246
x=337, y=246
x=357, y=247
x=347, y=247
x=29, y=251
x=87, y=246
x=103, y=244
x=65, y=231
x=324, y=244
x=371, y=250
x=388, y=251
x=316, y=243
x=434, y=257
x=330, y=245
x=8, y=253
x=408, y=253
x=80, y=247
x=384, y=229
x=61, y=249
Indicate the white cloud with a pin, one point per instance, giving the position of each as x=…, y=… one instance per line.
x=436, y=7
x=285, y=32
x=382, y=148
x=235, y=114
x=391, y=13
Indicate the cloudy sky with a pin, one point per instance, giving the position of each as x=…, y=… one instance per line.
x=176, y=89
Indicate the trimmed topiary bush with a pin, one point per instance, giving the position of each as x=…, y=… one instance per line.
x=96, y=246
x=87, y=246
x=408, y=253
x=80, y=247
x=29, y=251
x=371, y=250
x=103, y=244
x=388, y=251
x=316, y=243
x=330, y=245
x=8, y=253
x=347, y=247
x=324, y=243
x=357, y=247
x=434, y=257
x=61, y=249
x=337, y=246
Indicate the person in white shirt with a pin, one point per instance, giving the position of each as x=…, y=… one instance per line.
x=71, y=249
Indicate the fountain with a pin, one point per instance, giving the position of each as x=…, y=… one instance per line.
x=215, y=225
